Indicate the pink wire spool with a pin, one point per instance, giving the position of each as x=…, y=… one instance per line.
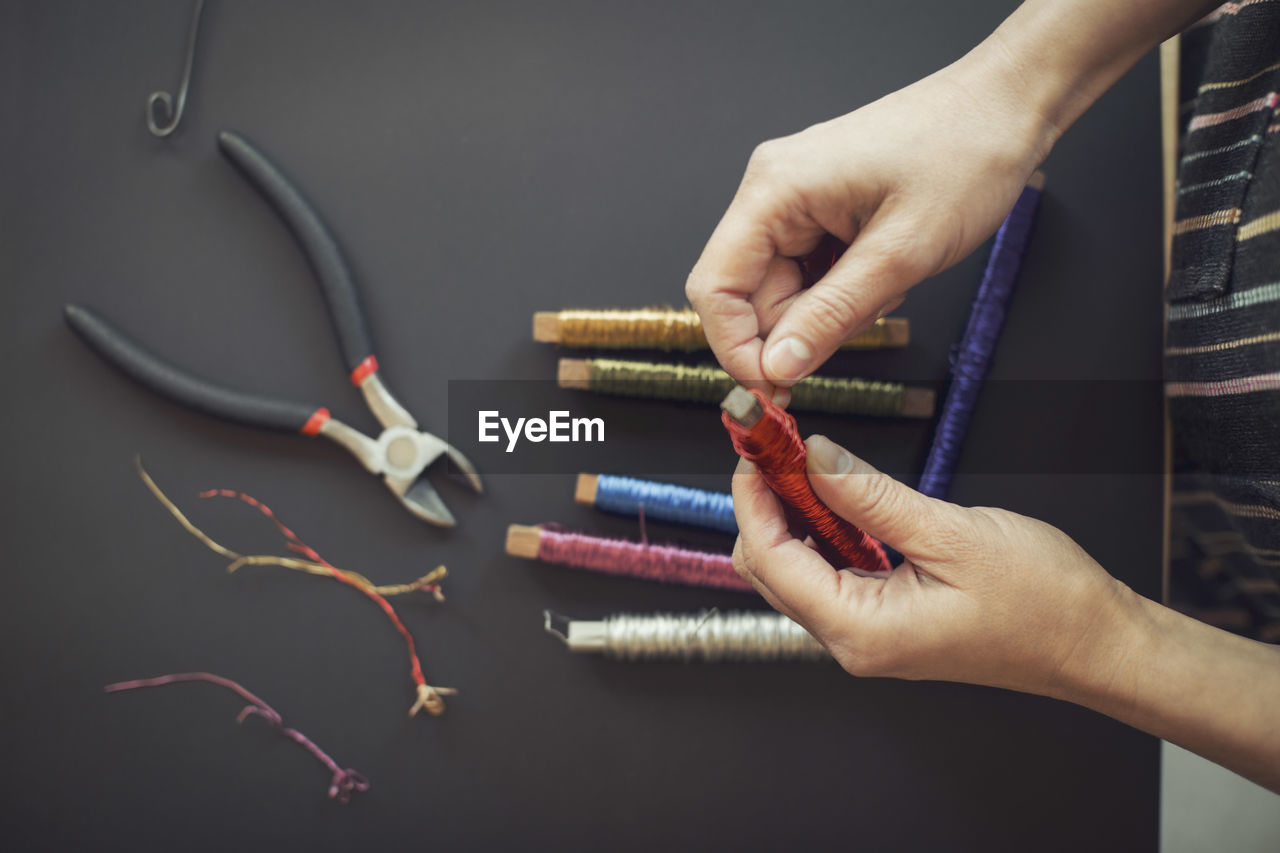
x=625, y=558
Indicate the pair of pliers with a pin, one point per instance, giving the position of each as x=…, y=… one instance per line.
x=400, y=454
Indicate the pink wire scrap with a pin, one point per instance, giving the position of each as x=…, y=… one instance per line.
x=345, y=782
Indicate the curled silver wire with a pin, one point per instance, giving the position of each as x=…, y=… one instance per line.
x=169, y=105
x=709, y=637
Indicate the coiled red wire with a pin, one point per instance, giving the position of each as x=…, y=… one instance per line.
x=773, y=444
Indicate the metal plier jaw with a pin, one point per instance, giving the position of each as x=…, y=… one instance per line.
x=399, y=455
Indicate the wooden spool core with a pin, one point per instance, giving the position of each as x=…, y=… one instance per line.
x=585, y=491
x=574, y=373
x=918, y=403
x=546, y=327
x=523, y=541
x=741, y=405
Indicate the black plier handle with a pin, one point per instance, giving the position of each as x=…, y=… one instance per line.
x=190, y=390
x=400, y=454
x=318, y=245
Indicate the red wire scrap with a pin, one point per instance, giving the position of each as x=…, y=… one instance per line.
x=428, y=695
x=773, y=444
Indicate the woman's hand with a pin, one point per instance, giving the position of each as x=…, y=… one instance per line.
x=991, y=597
x=911, y=183
x=985, y=596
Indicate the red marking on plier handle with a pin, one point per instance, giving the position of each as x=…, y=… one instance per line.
x=364, y=370
x=316, y=422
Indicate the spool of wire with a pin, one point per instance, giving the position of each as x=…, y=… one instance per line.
x=550, y=543
x=708, y=384
x=971, y=359
x=707, y=637
x=669, y=329
x=662, y=501
x=765, y=435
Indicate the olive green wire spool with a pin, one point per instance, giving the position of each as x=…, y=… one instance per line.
x=709, y=384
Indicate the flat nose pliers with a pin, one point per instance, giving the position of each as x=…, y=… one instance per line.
x=400, y=454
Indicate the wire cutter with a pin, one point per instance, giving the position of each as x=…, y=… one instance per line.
x=400, y=454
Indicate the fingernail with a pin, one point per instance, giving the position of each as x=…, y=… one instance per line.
x=789, y=359
x=827, y=457
x=781, y=397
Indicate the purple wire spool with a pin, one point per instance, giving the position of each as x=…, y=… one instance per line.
x=971, y=359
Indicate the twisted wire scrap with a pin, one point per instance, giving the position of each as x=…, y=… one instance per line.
x=344, y=782
x=429, y=697
x=708, y=637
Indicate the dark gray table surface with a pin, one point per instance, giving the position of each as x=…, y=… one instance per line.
x=478, y=162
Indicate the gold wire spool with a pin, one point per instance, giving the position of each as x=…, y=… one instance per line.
x=652, y=328
x=708, y=384
x=670, y=329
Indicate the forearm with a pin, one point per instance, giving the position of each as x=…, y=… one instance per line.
x=1209, y=691
x=1212, y=692
x=1059, y=56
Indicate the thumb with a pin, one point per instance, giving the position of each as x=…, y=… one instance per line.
x=924, y=529
x=868, y=279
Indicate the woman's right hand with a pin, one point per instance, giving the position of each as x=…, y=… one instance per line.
x=992, y=597
x=984, y=596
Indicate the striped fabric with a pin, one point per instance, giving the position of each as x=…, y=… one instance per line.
x=1222, y=361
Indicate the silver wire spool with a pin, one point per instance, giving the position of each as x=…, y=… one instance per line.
x=708, y=636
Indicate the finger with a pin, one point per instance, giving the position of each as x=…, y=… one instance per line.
x=819, y=262
x=882, y=311
x=755, y=504
x=730, y=270
x=879, y=267
x=924, y=529
x=890, y=306
x=772, y=529
x=780, y=606
x=793, y=577
x=782, y=283
x=742, y=563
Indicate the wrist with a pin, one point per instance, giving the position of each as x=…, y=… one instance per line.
x=1036, y=94
x=1171, y=676
x=1019, y=111
x=1103, y=664
x=1059, y=56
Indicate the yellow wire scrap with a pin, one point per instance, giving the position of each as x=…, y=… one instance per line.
x=237, y=559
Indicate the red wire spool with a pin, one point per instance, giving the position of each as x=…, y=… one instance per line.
x=766, y=435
